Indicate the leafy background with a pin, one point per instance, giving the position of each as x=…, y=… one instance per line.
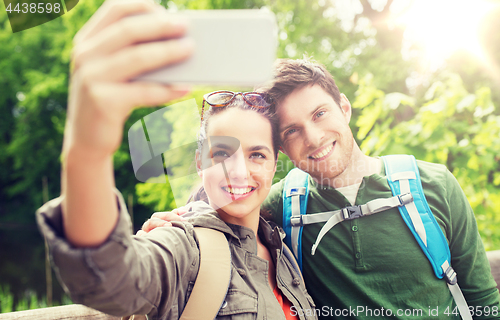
x=447, y=114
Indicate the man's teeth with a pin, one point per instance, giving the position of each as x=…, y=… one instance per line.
x=323, y=153
x=237, y=191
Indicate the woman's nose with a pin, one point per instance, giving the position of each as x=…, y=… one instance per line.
x=237, y=167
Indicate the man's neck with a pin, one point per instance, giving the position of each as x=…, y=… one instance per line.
x=360, y=166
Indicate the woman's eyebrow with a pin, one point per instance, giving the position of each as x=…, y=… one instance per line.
x=222, y=146
x=257, y=148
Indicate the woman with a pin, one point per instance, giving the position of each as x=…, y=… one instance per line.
x=87, y=228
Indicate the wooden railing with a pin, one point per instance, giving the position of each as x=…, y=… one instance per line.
x=80, y=312
x=73, y=311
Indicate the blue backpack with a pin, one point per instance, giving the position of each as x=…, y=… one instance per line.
x=404, y=180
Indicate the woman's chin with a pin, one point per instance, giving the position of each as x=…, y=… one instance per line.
x=235, y=211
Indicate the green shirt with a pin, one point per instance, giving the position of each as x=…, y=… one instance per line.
x=372, y=267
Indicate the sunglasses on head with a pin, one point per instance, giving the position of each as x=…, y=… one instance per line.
x=221, y=99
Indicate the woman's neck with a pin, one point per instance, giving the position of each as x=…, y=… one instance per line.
x=250, y=220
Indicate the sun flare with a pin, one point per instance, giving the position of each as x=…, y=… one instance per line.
x=442, y=27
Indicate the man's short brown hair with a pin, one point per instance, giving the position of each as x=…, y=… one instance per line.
x=290, y=75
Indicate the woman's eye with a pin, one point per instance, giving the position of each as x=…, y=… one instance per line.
x=220, y=153
x=258, y=155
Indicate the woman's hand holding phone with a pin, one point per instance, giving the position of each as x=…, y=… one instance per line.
x=123, y=39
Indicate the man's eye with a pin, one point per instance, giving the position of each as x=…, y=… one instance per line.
x=319, y=114
x=289, y=132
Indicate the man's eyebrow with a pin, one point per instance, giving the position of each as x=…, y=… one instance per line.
x=286, y=128
x=312, y=113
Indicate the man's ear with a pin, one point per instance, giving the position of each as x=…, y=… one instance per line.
x=345, y=106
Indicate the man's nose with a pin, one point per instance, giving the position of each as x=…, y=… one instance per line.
x=312, y=135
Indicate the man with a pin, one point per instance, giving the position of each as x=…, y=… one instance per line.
x=373, y=262
x=370, y=267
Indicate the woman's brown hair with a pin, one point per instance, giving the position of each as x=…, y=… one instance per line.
x=199, y=194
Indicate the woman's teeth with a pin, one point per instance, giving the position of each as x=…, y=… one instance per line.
x=237, y=191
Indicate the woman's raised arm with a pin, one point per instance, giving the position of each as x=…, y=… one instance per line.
x=123, y=39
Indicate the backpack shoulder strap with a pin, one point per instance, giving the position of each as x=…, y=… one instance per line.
x=213, y=278
x=295, y=193
x=403, y=177
x=212, y=281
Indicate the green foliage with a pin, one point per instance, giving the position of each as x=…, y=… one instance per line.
x=453, y=119
x=450, y=126
x=27, y=302
x=6, y=299
x=177, y=135
x=34, y=92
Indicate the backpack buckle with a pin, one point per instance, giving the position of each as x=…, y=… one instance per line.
x=350, y=213
x=404, y=199
x=297, y=191
x=450, y=276
x=296, y=221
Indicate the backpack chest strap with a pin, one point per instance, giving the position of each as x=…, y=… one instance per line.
x=332, y=218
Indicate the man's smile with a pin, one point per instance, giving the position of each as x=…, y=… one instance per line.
x=323, y=152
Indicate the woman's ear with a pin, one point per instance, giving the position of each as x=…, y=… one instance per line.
x=199, y=169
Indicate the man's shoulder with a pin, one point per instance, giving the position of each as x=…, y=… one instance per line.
x=431, y=167
x=433, y=175
x=273, y=204
x=276, y=191
x=278, y=186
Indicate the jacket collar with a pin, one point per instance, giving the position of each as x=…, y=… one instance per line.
x=201, y=214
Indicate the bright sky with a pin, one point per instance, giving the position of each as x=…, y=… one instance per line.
x=442, y=27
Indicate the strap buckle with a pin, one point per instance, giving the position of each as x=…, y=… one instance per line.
x=350, y=213
x=404, y=199
x=450, y=275
x=297, y=191
x=296, y=221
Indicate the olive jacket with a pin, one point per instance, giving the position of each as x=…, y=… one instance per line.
x=154, y=274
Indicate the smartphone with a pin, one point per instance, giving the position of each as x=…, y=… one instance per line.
x=232, y=47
